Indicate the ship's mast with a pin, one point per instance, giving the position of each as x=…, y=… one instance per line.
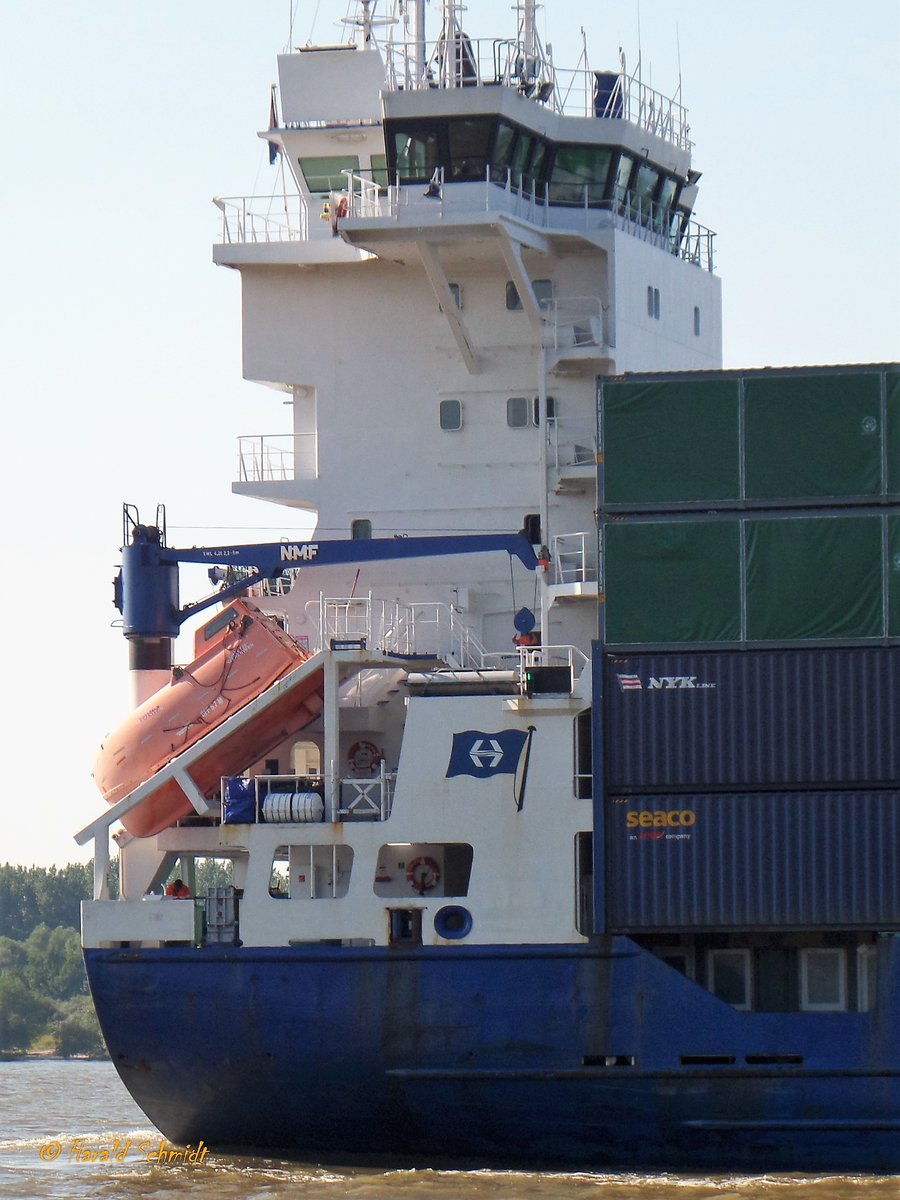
x=527, y=26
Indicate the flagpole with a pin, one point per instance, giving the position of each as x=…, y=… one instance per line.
x=520, y=795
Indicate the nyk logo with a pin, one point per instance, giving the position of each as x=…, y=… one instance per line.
x=633, y=683
x=292, y=553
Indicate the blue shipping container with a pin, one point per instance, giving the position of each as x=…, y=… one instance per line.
x=747, y=719
x=742, y=860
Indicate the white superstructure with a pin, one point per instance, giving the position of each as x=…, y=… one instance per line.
x=465, y=240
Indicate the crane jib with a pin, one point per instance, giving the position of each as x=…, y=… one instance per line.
x=146, y=590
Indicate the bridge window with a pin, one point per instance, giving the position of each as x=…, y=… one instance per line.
x=645, y=186
x=417, y=154
x=323, y=174
x=504, y=146
x=469, y=142
x=521, y=157
x=580, y=173
x=624, y=168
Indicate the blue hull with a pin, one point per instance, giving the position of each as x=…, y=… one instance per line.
x=506, y=1055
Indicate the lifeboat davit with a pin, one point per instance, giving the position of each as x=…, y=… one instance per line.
x=237, y=655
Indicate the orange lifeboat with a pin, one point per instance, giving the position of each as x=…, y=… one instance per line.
x=237, y=656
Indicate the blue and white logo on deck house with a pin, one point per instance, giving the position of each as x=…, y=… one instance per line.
x=482, y=754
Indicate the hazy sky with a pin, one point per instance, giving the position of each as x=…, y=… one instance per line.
x=121, y=363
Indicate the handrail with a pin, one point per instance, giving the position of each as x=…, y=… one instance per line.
x=671, y=229
x=480, y=62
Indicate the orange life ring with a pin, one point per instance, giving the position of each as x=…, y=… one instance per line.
x=424, y=873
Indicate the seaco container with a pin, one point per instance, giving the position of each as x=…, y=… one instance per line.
x=751, y=719
x=753, y=860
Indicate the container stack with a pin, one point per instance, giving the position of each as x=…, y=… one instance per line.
x=750, y=632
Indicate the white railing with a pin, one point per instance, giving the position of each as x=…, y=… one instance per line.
x=257, y=219
x=574, y=558
x=574, y=321
x=269, y=457
x=478, y=62
x=251, y=219
x=361, y=799
x=572, y=442
x=264, y=457
x=367, y=799
x=538, y=656
x=402, y=630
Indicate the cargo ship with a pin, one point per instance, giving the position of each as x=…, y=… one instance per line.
x=553, y=780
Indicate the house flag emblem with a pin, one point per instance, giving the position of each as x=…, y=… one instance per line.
x=484, y=754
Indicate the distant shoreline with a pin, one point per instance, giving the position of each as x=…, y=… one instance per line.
x=48, y=1055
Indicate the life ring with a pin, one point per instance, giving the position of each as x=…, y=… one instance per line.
x=364, y=758
x=424, y=873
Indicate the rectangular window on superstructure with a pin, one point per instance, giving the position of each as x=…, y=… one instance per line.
x=504, y=145
x=624, y=167
x=310, y=872
x=324, y=173
x=583, y=781
x=653, y=303
x=645, y=186
x=730, y=976
x=536, y=410
x=469, y=139
x=579, y=174
x=696, y=321
x=379, y=170
x=451, y=414
x=823, y=979
x=417, y=153
x=543, y=292
x=866, y=979
x=517, y=414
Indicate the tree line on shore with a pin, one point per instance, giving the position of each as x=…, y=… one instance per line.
x=44, y=1001
x=45, y=1005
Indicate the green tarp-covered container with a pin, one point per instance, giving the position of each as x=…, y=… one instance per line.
x=750, y=507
